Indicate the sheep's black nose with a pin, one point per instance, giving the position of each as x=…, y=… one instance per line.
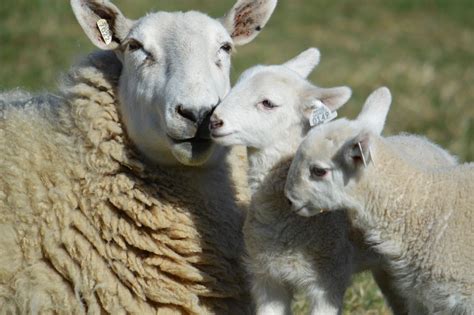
x=289, y=202
x=195, y=116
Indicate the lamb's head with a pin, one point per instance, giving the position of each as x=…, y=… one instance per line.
x=271, y=105
x=332, y=158
x=175, y=71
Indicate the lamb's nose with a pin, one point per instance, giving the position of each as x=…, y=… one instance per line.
x=215, y=123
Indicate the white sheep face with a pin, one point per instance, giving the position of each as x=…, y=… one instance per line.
x=332, y=158
x=175, y=71
x=272, y=104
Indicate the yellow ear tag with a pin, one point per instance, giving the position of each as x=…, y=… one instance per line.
x=105, y=31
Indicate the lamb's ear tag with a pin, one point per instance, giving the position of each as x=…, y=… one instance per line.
x=321, y=114
x=362, y=154
x=104, y=29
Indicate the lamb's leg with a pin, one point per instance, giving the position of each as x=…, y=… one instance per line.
x=271, y=297
x=324, y=302
x=385, y=281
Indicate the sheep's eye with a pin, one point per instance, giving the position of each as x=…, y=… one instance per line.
x=318, y=172
x=227, y=47
x=267, y=104
x=134, y=45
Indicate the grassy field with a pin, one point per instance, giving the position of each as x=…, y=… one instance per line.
x=423, y=50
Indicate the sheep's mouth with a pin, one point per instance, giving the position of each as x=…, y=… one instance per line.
x=195, y=150
x=192, y=151
x=202, y=135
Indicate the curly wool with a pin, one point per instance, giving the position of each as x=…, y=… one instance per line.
x=87, y=227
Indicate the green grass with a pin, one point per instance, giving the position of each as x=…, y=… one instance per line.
x=423, y=50
x=362, y=298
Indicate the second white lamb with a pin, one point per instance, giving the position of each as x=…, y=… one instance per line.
x=419, y=218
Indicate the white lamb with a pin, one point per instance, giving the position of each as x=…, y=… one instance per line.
x=112, y=197
x=420, y=219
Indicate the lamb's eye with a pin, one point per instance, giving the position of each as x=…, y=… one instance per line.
x=268, y=104
x=227, y=47
x=134, y=45
x=318, y=172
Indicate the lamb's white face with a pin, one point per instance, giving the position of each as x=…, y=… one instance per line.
x=317, y=177
x=175, y=71
x=261, y=101
x=331, y=159
x=272, y=104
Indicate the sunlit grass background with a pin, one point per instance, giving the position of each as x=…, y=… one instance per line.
x=423, y=50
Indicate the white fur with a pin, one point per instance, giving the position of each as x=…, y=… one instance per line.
x=420, y=218
x=281, y=258
x=175, y=71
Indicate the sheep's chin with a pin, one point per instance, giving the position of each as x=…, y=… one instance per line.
x=194, y=152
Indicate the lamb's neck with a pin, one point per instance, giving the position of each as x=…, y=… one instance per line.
x=262, y=161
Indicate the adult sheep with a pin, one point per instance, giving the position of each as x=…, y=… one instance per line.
x=112, y=197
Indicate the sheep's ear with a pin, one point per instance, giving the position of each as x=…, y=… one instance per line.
x=305, y=62
x=375, y=110
x=114, y=28
x=247, y=18
x=333, y=98
x=357, y=151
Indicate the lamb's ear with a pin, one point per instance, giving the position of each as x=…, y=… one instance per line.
x=375, y=110
x=333, y=98
x=356, y=152
x=247, y=18
x=305, y=62
x=89, y=12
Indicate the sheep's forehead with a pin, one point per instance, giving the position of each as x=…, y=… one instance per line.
x=189, y=29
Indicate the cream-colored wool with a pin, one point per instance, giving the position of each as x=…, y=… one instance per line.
x=418, y=217
x=86, y=227
x=423, y=221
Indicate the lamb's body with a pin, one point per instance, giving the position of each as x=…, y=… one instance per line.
x=288, y=253
x=423, y=221
x=419, y=218
x=87, y=227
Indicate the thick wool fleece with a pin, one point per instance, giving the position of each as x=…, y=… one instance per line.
x=87, y=227
x=422, y=220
